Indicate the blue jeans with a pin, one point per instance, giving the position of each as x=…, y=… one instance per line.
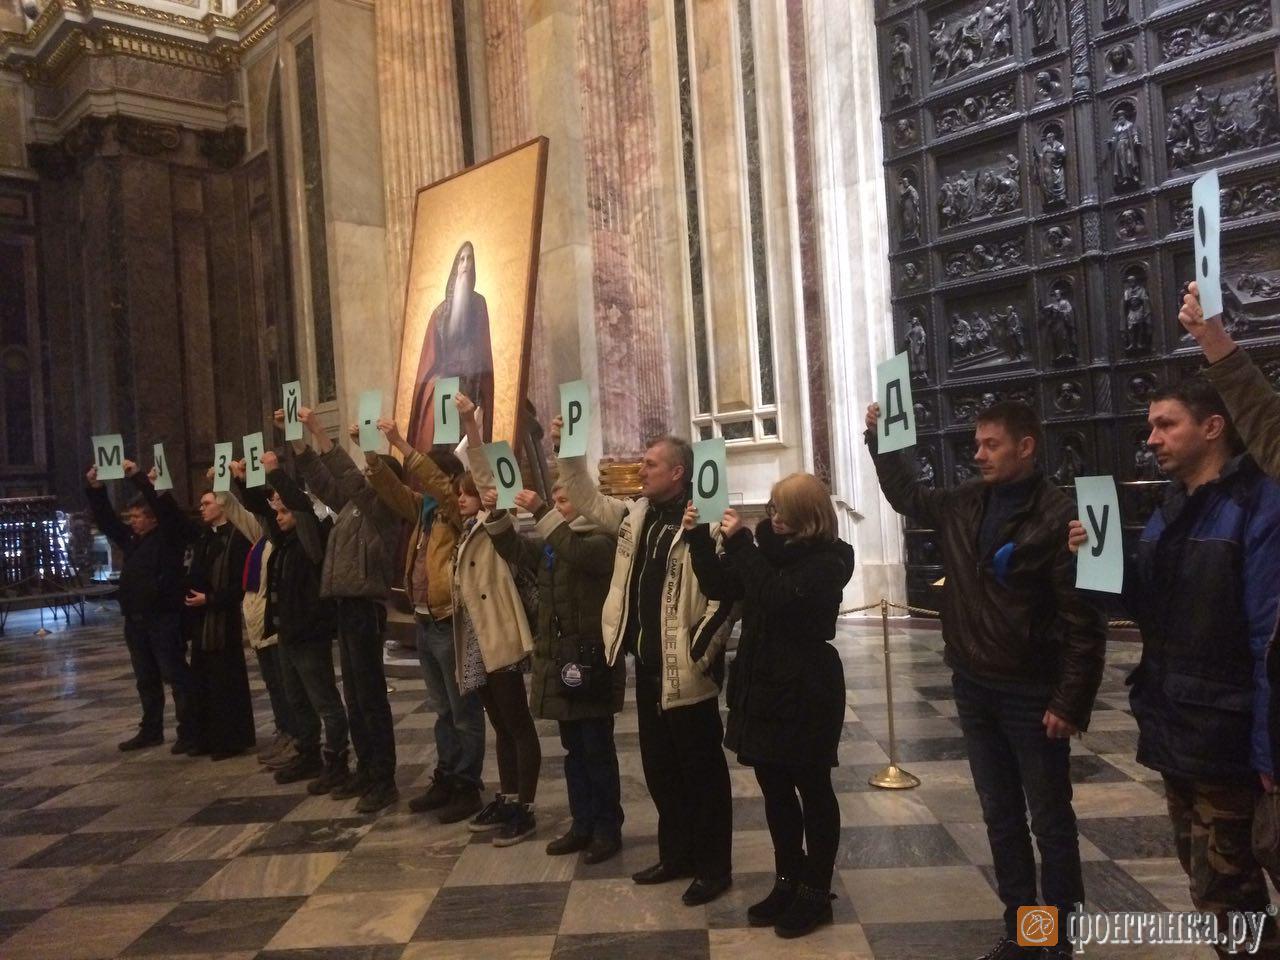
x=591, y=774
x=272, y=676
x=307, y=670
x=1017, y=768
x=459, y=719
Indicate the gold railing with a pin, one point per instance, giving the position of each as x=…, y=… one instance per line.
x=893, y=777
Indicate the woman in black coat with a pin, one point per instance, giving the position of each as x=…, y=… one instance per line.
x=214, y=628
x=786, y=693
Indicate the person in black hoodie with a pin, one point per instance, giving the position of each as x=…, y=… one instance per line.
x=304, y=625
x=152, y=539
x=214, y=628
x=786, y=693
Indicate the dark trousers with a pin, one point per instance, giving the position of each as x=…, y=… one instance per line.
x=459, y=729
x=804, y=821
x=158, y=654
x=308, y=677
x=364, y=684
x=515, y=737
x=688, y=778
x=1018, y=770
x=591, y=774
x=272, y=676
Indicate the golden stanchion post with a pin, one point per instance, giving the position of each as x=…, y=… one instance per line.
x=891, y=777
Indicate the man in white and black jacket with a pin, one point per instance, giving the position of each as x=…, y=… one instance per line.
x=656, y=612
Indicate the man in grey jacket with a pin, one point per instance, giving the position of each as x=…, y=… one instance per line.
x=356, y=578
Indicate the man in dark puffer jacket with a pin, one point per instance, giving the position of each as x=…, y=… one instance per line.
x=1025, y=647
x=1202, y=587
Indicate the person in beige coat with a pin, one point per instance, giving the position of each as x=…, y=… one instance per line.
x=492, y=643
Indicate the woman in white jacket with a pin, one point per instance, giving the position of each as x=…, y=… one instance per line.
x=281, y=748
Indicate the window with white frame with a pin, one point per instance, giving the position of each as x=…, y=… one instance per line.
x=759, y=423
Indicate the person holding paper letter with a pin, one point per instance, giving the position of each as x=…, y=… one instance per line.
x=657, y=612
x=152, y=538
x=572, y=683
x=214, y=628
x=492, y=644
x=304, y=624
x=253, y=607
x=1025, y=649
x=786, y=684
x=1252, y=402
x=356, y=578
x=1202, y=588
x=454, y=792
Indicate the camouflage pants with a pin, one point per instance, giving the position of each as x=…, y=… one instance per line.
x=1213, y=830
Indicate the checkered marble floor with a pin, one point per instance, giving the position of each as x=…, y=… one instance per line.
x=104, y=854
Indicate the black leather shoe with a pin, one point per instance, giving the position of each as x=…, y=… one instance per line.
x=660, y=873
x=141, y=741
x=603, y=847
x=571, y=842
x=1008, y=950
x=704, y=891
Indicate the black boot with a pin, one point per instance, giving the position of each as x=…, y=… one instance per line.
x=382, y=793
x=305, y=766
x=437, y=794
x=767, y=912
x=355, y=785
x=464, y=802
x=809, y=910
x=335, y=773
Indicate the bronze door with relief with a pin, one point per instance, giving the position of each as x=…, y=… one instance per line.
x=1039, y=156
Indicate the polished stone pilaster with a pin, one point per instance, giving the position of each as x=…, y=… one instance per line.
x=721, y=153
x=420, y=126
x=853, y=228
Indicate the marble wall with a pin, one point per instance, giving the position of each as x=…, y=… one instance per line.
x=713, y=191
x=333, y=150
x=143, y=251
x=853, y=259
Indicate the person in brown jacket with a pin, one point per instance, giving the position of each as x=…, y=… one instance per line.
x=454, y=793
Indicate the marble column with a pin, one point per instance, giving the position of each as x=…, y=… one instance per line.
x=420, y=122
x=548, y=99
x=506, y=74
x=853, y=230
x=723, y=190
x=619, y=139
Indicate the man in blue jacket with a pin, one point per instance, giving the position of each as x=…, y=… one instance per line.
x=1202, y=588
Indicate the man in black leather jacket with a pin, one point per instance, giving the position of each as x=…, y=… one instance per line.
x=1025, y=647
